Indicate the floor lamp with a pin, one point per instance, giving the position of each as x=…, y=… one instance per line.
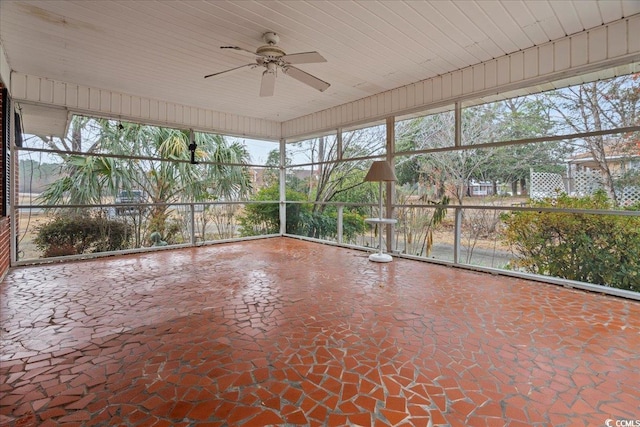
x=380, y=171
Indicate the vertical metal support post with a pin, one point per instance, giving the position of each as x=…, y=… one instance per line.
x=458, y=124
x=391, y=186
x=192, y=207
x=457, y=236
x=458, y=223
x=283, y=190
x=340, y=224
x=340, y=208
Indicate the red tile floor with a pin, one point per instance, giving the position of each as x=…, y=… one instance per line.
x=287, y=332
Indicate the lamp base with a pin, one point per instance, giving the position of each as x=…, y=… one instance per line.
x=378, y=257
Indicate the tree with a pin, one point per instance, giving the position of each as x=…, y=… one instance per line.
x=35, y=176
x=330, y=178
x=179, y=181
x=452, y=170
x=407, y=168
x=597, y=106
x=271, y=174
x=517, y=119
x=88, y=179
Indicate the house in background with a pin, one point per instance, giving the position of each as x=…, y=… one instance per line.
x=480, y=189
x=584, y=175
x=620, y=159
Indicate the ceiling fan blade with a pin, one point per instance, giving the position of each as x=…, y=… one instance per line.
x=241, y=50
x=303, y=58
x=226, y=71
x=268, y=83
x=306, y=78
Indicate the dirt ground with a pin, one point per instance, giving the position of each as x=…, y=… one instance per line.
x=27, y=232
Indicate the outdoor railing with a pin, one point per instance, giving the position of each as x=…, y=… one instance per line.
x=476, y=237
x=469, y=236
x=48, y=232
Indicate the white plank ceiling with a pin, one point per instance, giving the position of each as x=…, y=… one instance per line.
x=162, y=49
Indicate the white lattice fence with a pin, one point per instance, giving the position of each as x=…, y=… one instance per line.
x=587, y=182
x=546, y=184
x=629, y=196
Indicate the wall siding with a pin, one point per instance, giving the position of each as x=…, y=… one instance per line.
x=105, y=103
x=571, y=55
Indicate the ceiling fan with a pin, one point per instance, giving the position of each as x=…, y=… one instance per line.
x=273, y=58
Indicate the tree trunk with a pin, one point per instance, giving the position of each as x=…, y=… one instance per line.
x=598, y=147
x=523, y=187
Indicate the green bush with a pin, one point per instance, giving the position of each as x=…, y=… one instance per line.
x=301, y=219
x=79, y=234
x=599, y=249
x=264, y=218
x=323, y=225
x=352, y=225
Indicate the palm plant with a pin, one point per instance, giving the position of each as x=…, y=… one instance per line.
x=158, y=165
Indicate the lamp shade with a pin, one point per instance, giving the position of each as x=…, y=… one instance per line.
x=380, y=171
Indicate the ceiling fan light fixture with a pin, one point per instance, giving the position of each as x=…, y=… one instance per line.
x=271, y=67
x=268, y=83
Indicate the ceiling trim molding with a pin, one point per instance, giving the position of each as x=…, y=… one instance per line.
x=110, y=104
x=609, y=45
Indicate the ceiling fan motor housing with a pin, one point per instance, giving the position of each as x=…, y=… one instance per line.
x=270, y=38
x=270, y=51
